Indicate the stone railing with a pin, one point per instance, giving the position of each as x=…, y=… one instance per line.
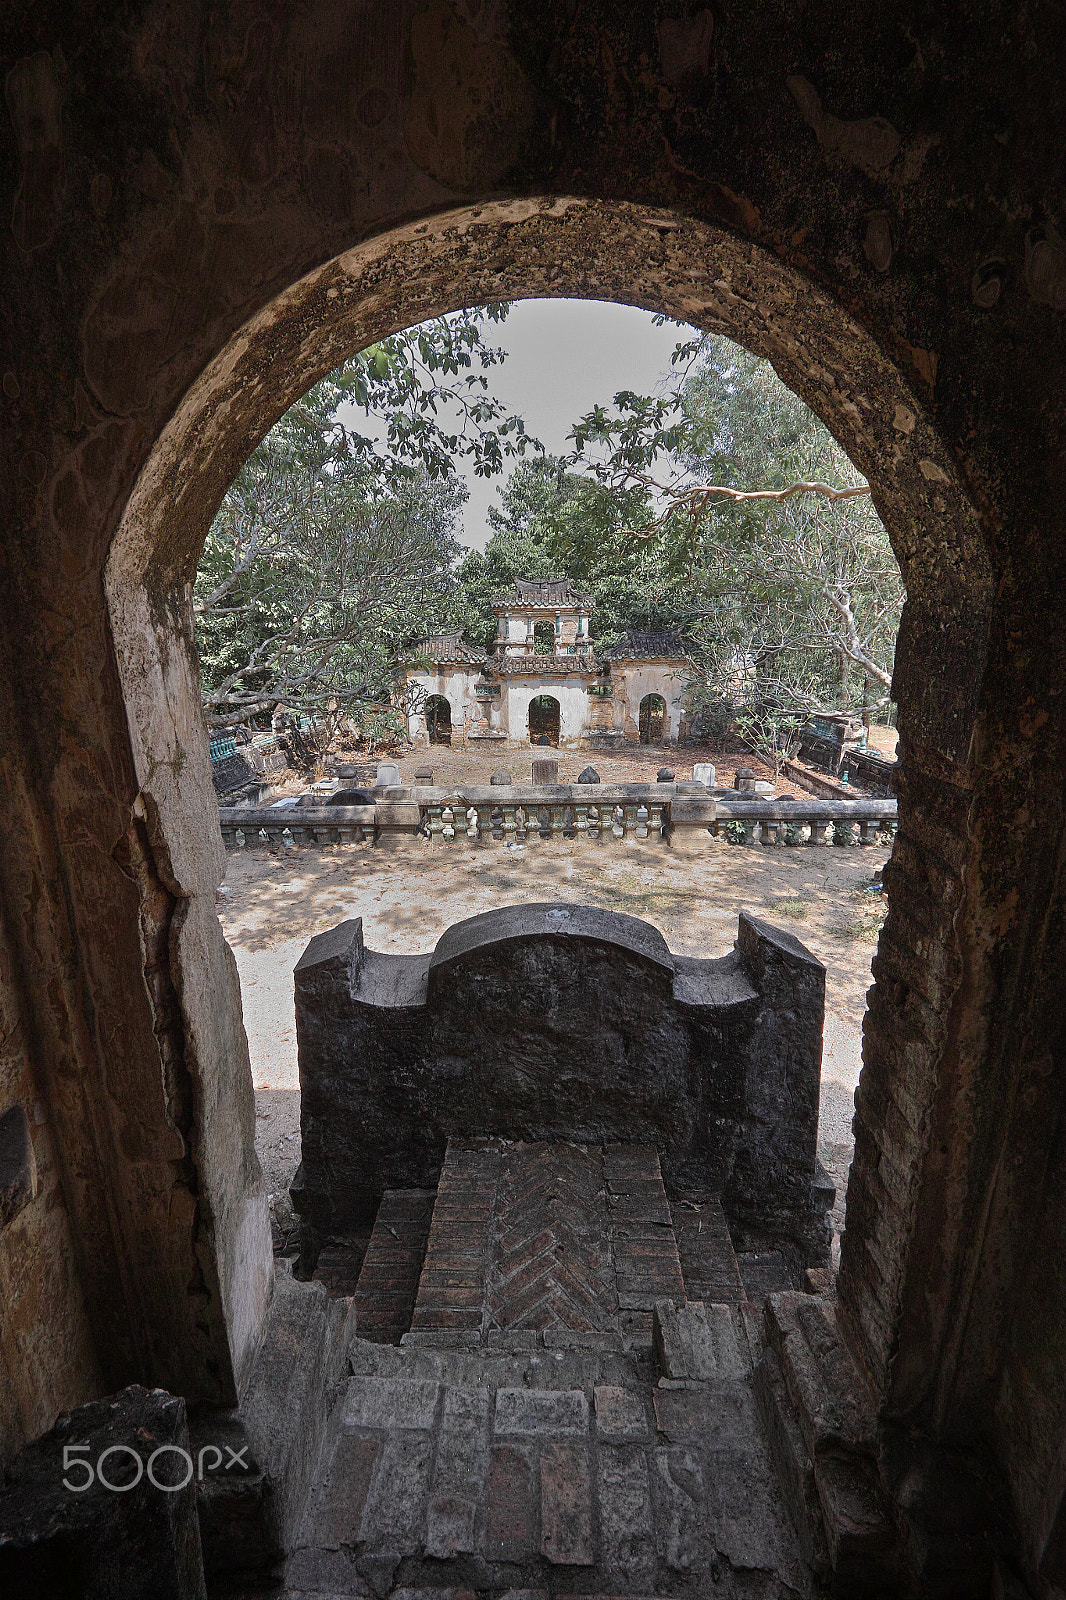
x=684, y=816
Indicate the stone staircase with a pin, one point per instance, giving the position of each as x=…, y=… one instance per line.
x=563, y=1416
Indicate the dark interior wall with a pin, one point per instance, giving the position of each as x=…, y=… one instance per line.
x=871, y=195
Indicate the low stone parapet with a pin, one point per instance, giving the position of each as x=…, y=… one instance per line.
x=686, y=817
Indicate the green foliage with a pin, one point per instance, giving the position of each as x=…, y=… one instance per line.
x=334, y=547
x=792, y=603
x=552, y=523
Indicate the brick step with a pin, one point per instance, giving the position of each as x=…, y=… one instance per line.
x=708, y=1261
x=384, y=1298
x=546, y=1243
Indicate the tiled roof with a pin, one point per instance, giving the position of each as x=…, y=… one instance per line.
x=647, y=646
x=442, y=647
x=544, y=592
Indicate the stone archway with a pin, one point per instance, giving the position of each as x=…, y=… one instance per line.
x=439, y=719
x=652, y=719
x=544, y=719
x=512, y=249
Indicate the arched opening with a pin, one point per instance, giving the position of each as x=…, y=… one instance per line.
x=544, y=714
x=544, y=638
x=652, y=719
x=674, y=265
x=439, y=719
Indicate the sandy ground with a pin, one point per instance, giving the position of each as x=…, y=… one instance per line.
x=272, y=903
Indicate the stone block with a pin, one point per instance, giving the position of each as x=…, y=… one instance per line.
x=627, y=1528
x=703, y=772
x=390, y=1403
x=450, y=1523
x=620, y=1414
x=132, y=1540
x=566, y=1506
x=683, y=1344
x=394, y=1514
x=541, y=1411
x=509, y=1504
x=716, y=1416
x=682, y=1501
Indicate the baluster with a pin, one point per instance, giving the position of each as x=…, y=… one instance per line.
x=819, y=831
x=496, y=822
x=749, y=826
x=287, y=839
x=520, y=825
x=557, y=817
x=617, y=829
x=569, y=830
x=436, y=823
x=630, y=817
x=345, y=835
x=472, y=824
x=595, y=831
x=240, y=839
x=642, y=822
x=581, y=823
x=867, y=832
x=447, y=820
x=770, y=831
x=322, y=835
x=655, y=819
x=544, y=822
x=227, y=835
x=508, y=824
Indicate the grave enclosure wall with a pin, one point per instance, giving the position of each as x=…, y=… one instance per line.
x=203, y=213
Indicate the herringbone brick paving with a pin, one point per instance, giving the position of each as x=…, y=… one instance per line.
x=535, y=1239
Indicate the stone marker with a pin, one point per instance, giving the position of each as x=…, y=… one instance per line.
x=716, y=1062
x=703, y=772
x=589, y=775
x=665, y=775
x=424, y=775
x=546, y=772
x=501, y=779
x=388, y=774
x=744, y=780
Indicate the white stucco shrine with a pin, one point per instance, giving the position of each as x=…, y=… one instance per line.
x=545, y=681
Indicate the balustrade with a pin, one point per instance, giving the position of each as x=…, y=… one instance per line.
x=624, y=815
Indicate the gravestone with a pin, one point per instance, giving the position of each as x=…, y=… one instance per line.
x=387, y=776
x=703, y=772
x=546, y=772
x=501, y=779
x=589, y=775
x=665, y=775
x=424, y=775
x=543, y=1022
x=744, y=780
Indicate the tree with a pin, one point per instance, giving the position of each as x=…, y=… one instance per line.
x=307, y=582
x=556, y=523
x=795, y=595
x=333, y=547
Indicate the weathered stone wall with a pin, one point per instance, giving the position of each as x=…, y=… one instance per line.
x=205, y=210
x=562, y=1022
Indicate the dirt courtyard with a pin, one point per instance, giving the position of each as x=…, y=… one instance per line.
x=272, y=904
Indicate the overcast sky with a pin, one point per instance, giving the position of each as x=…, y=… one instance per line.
x=564, y=357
